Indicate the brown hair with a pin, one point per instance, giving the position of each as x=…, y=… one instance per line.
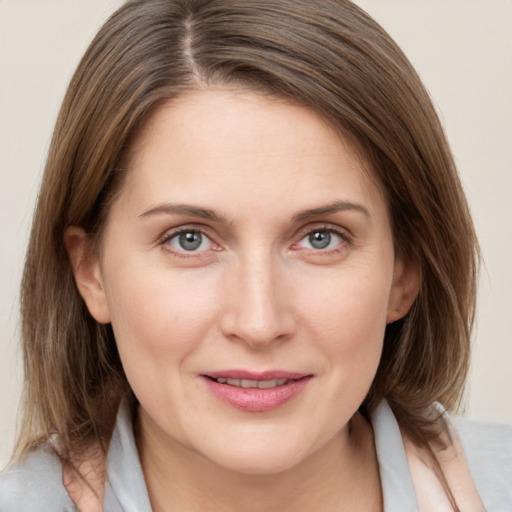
x=327, y=55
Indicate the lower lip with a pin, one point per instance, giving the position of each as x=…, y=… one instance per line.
x=255, y=399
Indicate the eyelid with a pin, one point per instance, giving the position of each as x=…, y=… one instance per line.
x=324, y=226
x=344, y=234
x=171, y=233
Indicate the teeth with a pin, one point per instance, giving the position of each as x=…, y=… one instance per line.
x=245, y=383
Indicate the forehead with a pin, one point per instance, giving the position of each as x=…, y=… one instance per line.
x=213, y=117
x=231, y=144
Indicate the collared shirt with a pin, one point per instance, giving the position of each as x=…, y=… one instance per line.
x=35, y=485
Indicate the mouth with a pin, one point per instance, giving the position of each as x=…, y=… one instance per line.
x=256, y=392
x=252, y=384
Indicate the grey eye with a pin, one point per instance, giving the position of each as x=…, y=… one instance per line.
x=320, y=239
x=190, y=241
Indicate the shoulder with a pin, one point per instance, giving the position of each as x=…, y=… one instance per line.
x=488, y=450
x=35, y=484
x=485, y=438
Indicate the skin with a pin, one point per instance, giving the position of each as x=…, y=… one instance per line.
x=256, y=295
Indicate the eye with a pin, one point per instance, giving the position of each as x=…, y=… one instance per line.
x=189, y=241
x=321, y=240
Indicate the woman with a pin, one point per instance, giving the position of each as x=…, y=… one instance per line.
x=258, y=271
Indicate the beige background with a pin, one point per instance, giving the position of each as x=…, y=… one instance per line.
x=461, y=48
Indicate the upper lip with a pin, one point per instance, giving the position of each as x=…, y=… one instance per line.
x=256, y=376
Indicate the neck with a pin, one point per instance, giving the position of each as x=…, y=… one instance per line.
x=342, y=475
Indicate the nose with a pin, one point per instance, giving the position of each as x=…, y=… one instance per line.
x=259, y=310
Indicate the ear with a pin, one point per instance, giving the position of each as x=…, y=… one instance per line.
x=86, y=270
x=405, y=288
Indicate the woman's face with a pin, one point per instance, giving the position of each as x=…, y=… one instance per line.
x=248, y=270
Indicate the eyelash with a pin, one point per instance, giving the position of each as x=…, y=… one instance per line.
x=345, y=239
x=167, y=237
x=308, y=231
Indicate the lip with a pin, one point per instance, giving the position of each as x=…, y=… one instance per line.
x=256, y=399
x=250, y=375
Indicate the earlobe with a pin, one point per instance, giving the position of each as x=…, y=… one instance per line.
x=406, y=285
x=86, y=270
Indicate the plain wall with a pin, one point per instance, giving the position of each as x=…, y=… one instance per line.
x=462, y=50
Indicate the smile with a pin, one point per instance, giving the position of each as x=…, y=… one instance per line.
x=260, y=384
x=253, y=392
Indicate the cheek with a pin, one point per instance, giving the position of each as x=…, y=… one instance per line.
x=347, y=301
x=156, y=311
x=159, y=319
x=346, y=314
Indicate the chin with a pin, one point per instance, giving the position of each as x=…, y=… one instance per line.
x=259, y=455
x=257, y=464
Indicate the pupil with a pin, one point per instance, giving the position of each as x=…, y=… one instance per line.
x=190, y=241
x=320, y=239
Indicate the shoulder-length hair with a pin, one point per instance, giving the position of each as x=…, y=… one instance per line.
x=327, y=55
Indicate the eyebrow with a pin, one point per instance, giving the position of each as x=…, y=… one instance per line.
x=184, y=209
x=338, y=206
x=207, y=214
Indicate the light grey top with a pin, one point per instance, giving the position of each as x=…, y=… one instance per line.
x=35, y=485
